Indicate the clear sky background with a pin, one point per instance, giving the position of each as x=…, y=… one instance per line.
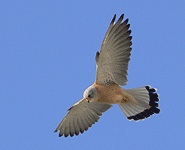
x=47, y=60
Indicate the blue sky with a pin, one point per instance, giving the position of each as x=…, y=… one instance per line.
x=47, y=60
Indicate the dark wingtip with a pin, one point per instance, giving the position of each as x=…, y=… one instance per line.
x=130, y=38
x=129, y=32
x=153, y=109
x=70, y=108
x=121, y=17
x=97, y=56
x=128, y=26
x=82, y=131
x=113, y=19
x=126, y=21
x=71, y=134
x=76, y=133
x=65, y=135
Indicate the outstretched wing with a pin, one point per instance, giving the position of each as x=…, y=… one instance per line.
x=113, y=59
x=81, y=116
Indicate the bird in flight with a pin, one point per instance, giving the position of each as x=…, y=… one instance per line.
x=112, y=65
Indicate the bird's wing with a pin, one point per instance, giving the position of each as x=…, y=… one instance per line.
x=114, y=56
x=81, y=116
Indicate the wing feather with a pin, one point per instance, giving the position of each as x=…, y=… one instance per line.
x=72, y=127
x=76, y=126
x=113, y=59
x=80, y=117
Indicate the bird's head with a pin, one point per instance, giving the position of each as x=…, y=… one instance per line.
x=90, y=93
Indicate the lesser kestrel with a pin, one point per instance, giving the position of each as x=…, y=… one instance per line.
x=112, y=65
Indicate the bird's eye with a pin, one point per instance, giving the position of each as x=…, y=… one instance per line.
x=90, y=95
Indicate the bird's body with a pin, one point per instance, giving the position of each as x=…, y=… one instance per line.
x=112, y=65
x=112, y=94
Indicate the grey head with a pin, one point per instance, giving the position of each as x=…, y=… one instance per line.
x=90, y=93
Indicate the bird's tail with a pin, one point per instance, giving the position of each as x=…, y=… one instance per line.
x=145, y=104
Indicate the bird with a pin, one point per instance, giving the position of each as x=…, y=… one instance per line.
x=111, y=73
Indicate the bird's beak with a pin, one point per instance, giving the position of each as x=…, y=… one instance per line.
x=88, y=99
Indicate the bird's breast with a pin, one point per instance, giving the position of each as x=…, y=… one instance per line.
x=112, y=94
